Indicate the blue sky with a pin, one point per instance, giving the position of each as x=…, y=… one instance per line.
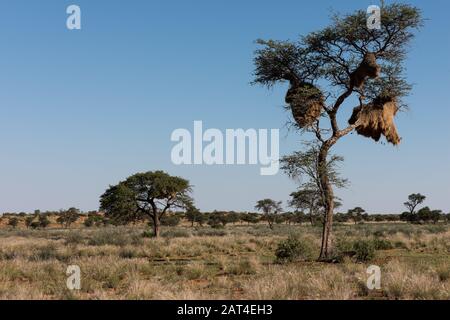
x=80, y=110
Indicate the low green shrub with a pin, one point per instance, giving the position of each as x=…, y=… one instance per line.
x=293, y=249
x=364, y=250
x=382, y=244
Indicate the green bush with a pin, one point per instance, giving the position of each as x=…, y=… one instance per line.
x=88, y=222
x=364, y=250
x=378, y=234
x=293, y=249
x=400, y=245
x=382, y=244
x=359, y=250
x=147, y=234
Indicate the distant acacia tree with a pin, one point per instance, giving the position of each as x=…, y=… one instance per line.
x=250, y=217
x=217, y=219
x=270, y=208
x=356, y=214
x=13, y=222
x=66, y=218
x=43, y=221
x=193, y=215
x=29, y=220
x=413, y=201
x=427, y=215
x=146, y=195
x=326, y=68
x=233, y=217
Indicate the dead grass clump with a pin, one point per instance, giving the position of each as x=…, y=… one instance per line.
x=443, y=273
x=245, y=266
x=306, y=103
x=403, y=281
x=376, y=119
x=47, y=252
x=367, y=69
x=116, y=237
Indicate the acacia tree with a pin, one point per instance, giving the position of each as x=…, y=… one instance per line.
x=413, y=201
x=66, y=218
x=194, y=215
x=356, y=214
x=146, y=195
x=306, y=199
x=270, y=208
x=304, y=164
x=325, y=69
x=13, y=222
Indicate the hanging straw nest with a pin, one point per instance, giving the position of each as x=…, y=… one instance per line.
x=306, y=102
x=367, y=69
x=376, y=119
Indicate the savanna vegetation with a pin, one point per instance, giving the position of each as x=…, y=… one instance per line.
x=237, y=261
x=149, y=241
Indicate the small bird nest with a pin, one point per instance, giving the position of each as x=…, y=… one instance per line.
x=306, y=103
x=376, y=119
x=367, y=69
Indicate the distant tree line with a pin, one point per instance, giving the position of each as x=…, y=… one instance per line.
x=306, y=205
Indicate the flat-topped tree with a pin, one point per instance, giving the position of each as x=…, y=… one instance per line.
x=146, y=195
x=270, y=208
x=325, y=68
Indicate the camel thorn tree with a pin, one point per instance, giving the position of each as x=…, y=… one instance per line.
x=327, y=68
x=146, y=195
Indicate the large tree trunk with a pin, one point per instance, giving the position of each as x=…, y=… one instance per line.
x=328, y=198
x=311, y=217
x=156, y=226
x=269, y=220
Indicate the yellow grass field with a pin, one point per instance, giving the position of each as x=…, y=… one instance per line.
x=237, y=262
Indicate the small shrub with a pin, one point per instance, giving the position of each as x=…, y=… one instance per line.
x=243, y=267
x=436, y=228
x=443, y=274
x=192, y=272
x=88, y=222
x=400, y=245
x=378, y=234
x=211, y=233
x=364, y=250
x=74, y=238
x=293, y=249
x=127, y=253
x=34, y=225
x=147, y=234
x=44, y=253
x=8, y=255
x=382, y=244
x=173, y=233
